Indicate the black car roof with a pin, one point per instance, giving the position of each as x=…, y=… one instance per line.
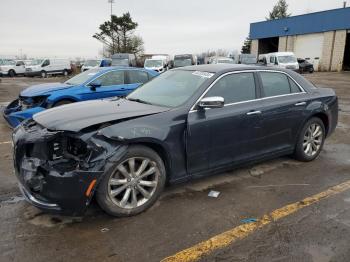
x=222, y=68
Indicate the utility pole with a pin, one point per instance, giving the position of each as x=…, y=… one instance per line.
x=344, y=4
x=112, y=2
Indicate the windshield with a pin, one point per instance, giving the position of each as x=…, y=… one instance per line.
x=179, y=62
x=36, y=62
x=120, y=62
x=225, y=61
x=82, y=77
x=248, y=60
x=286, y=59
x=153, y=63
x=92, y=63
x=170, y=89
x=8, y=62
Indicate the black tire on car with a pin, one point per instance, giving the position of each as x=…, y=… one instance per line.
x=65, y=72
x=12, y=73
x=311, y=70
x=43, y=74
x=133, y=184
x=310, y=141
x=62, y=102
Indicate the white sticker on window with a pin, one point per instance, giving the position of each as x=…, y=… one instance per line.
x=202, y=74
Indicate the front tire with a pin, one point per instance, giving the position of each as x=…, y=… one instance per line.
x=310, y=141
x=65, y=72
x=133, y=184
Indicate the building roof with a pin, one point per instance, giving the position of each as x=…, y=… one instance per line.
x=329, y=20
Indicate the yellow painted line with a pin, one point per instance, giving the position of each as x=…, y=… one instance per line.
x=224, y=239
x=6, y=142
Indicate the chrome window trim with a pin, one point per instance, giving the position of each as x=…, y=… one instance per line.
x=302, y=90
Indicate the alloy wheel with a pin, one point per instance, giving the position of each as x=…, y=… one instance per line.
x=313, y=139
x=133, y=182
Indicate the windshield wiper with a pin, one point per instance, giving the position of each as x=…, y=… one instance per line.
x=139, y=101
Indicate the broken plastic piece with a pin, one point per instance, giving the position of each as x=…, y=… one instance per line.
x=213, y=193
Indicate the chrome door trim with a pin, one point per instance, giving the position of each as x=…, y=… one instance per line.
x=247, y=101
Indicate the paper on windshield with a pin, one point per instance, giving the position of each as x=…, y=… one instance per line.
x=203, y=74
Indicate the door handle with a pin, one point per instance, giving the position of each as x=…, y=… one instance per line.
x=300, y=104
x=254, y=113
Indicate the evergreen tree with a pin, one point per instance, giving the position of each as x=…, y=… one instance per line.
x=280, y=10
x=118, y=36
x=246, y=46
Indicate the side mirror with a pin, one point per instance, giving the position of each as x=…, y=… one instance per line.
x=211, y=102
x=95, y=84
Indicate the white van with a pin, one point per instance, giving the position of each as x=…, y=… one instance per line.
x=157, y=63
x=94, y=63
x=11, y=67
x=48, y=66
x=283, y=60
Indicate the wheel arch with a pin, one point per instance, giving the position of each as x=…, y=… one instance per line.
x=71, y=99
x=323, y=116
x=160, y=150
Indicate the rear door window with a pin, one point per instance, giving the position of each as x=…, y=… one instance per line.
x=137, y=77
x=112, y=78
x=234, y=88
x=275, y=84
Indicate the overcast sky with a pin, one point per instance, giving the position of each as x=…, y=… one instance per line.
x=64, y=28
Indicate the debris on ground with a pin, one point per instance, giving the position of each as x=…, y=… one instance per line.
x=104, y=230
x=214, y=194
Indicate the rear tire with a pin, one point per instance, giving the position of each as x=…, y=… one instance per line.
x=65, y=73
x=137, y=190
x=12, y=73
x=310, y=141
x=62, y=102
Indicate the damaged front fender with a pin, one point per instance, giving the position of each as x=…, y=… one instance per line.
x=56, y=168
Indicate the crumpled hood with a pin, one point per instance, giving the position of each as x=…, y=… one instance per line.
x=43, y=89
x=77, y=116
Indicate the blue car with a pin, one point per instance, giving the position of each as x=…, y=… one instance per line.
x=92, y=84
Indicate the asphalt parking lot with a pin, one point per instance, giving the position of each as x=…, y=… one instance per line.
x=281, y=210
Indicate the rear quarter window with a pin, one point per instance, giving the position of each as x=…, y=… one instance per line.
x=275, y=84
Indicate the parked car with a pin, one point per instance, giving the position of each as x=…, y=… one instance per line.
x=247, y=59
x=305, y=66
x=185, y=60
x=48, y=66
x=283, y=60
x=93, y=84
x=186, y=123
x=93, y=63
x=124, y=60
x=12, y=68
x=221, y=60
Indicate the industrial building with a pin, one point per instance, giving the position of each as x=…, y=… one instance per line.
x=323, y=38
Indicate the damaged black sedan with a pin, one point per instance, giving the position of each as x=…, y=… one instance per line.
x=186, y=123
